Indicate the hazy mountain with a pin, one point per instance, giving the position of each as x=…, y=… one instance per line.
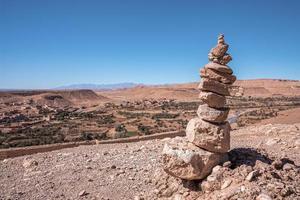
x=98, y=86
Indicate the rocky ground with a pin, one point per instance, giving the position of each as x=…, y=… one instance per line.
x=263, y=164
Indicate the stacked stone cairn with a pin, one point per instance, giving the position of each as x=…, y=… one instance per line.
x=207, y=138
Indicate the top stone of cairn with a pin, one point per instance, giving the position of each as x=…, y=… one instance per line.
x=218, y=53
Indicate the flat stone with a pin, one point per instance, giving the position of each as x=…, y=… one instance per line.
x=217, y=76
x=219, y=67
x=208, y=136
x=212, y=114
x=212, y=99
x=184, y=160
x=213, y=86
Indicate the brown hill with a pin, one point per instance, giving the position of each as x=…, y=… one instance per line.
x=61, y=98
x=188, y=91
x=269, y=87
x=81, y=95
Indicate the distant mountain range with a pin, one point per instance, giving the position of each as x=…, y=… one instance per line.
x=98, y=86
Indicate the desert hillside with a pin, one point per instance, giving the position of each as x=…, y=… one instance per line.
x=57, y=116
x=264, y=117
x=188, y=91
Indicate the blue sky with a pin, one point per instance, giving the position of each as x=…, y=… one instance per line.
x=50, y=43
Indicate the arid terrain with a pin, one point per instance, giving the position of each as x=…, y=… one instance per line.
x=44, y=117
x=265, y=142
x=130, y=170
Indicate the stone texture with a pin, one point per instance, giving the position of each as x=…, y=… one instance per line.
x=226, y=59
x=213, y=86
x=219, y=67
x=212, y=99
x=219, y=50
x=221, y=39
x=208, y=136
x=217, y=76
x=218, y=54
x=212, y=114
x=184, y=160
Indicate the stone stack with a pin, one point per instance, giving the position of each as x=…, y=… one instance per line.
x=207, y=136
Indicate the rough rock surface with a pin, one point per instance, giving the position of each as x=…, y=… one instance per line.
x=213, y=86
x=212, y=114
x=208, y=136
x=219, y=50
x=219, y=67
x=218, y=53
x=217, y=76
x=184, y=160
x=212, y=99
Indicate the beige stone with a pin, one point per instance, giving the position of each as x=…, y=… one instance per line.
x=217, y=76
x=263, y=197
x=213, y=86
x=219, y=67
x=212, y=99
x=211, y=137
x=184, y=160
x=212, y=114
x=221, y=39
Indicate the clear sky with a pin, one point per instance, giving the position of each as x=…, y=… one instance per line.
x=50, y=43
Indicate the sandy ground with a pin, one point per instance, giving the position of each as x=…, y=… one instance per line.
x=118, y=171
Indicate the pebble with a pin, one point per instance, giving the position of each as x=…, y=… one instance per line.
x=252, y=175
x=226, y=184
x=263, y=197
x=82, y=193
x=138, y=198
x=227, y=164
x=113, y=167
x=272, y=141
x=29, y=163
x=287, y=167
x=243, y=188
x=120, y=172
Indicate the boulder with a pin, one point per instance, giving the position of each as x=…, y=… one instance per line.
x=219, y=67
x=209, y=136
x=213, y=86
x=217, y=76
x=212, y=99
x=212, y=114
x=184, y=160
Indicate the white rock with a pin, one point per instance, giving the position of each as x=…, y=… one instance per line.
x=263, y=197
x=226, y=184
